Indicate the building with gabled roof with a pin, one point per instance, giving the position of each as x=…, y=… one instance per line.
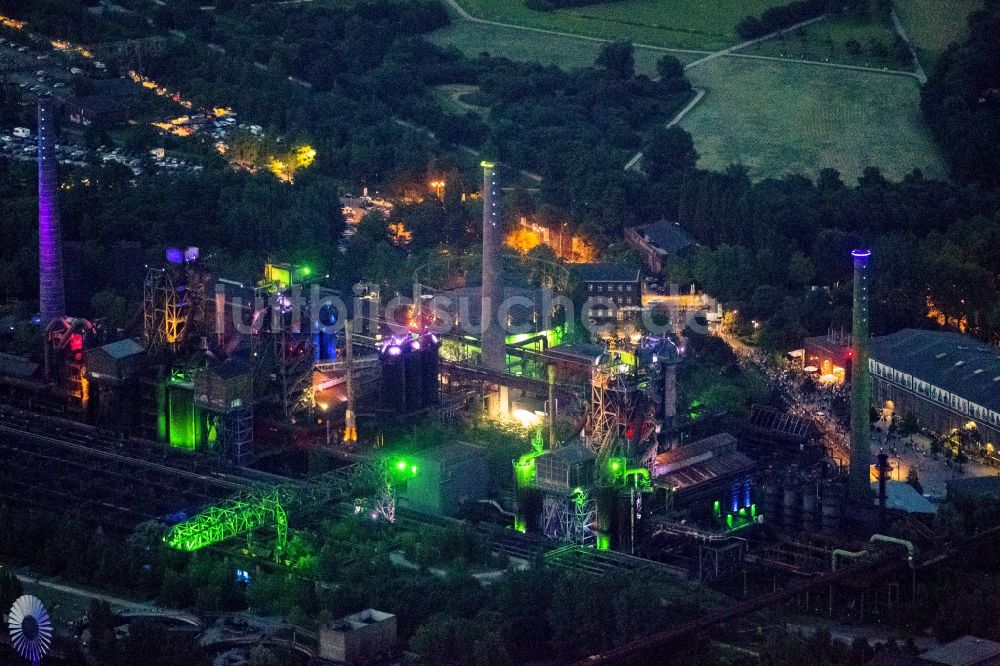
x=947, y=380
x=114, y=362
x=708, y=469
x=658, y=241
x=613, y=292
x=964, y=651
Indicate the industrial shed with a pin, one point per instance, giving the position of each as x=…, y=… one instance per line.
x=446, y=476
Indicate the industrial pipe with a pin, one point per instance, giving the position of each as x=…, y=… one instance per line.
x=899, y=542
x=845, y=553
x=497, y=506
x=524, y=468
x=638, y=472
x=875, y=538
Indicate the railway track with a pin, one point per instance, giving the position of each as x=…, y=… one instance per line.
x=129, y=460
x=166, y=481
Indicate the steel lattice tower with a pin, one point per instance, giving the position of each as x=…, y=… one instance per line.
x=492, y=340
x=606, y=422
x=174, y=306
x=860, y=383
x=51, y=293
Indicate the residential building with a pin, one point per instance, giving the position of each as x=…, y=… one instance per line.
x=612, y=292
x=658, y=241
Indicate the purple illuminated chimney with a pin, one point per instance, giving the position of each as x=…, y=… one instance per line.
x=51, y=297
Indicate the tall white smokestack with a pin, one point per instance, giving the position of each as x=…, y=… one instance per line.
x=492, y=337
x=861, y=427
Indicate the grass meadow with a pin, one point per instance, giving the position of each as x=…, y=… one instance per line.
x=564, y=51
x=777, y=118
x=691, y=24
x=933, y=24
x=827, y=41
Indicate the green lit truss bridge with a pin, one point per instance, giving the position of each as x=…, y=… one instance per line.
x=238, y=515
x=372, y=486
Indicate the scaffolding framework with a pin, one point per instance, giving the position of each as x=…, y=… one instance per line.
x=240, y=515
x=235, y=434
x=283, y=349
x=570, y=518
x=173, y=303
x=294, y=354
x=617, y=400
x=719, y=558
x=606, y=423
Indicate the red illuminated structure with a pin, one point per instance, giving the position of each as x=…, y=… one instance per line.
x=66, y=338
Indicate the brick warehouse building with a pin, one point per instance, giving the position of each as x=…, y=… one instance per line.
x=947, y=380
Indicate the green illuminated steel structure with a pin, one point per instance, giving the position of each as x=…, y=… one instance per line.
x=524, y=476
x=240, y=515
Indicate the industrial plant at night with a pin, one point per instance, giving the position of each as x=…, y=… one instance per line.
x=353, y=333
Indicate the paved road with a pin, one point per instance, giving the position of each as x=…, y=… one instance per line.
x=127, y=607
x=699, y=93
x=471, y=151
x=729, y=52
x=116, y=602
x=934, y=472
x=756, y=40
x=901, y=31
x=820, y=63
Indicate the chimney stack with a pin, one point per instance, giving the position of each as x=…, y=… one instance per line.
x=492, y=340
x=51, y=295
x=883, y=476
x=859, y=486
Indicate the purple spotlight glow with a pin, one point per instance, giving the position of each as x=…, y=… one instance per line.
x=394, y=350
x=415, y=345
x=861, y=253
